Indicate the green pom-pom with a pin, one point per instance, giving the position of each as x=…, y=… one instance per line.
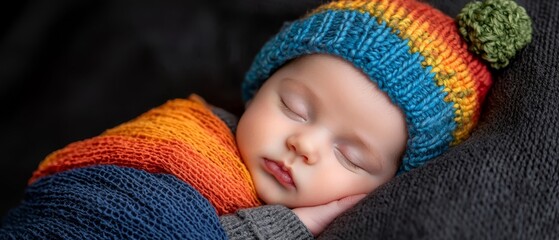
x=495, y=29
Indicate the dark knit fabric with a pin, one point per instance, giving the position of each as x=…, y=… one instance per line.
x=110, y=202
x=502, y=183
x=265, y=222
x=74, y=68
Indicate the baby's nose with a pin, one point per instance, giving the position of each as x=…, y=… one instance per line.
x=308, y=144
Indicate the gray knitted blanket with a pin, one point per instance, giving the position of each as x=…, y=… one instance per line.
x=502, y=183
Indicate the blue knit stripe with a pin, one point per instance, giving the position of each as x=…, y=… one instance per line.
x=387, y=59
x=111, y=202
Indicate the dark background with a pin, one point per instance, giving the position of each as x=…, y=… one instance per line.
x=71, y=69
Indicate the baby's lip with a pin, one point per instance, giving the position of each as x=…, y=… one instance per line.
x=280, y=172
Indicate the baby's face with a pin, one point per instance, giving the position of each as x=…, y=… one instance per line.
x=318, y=130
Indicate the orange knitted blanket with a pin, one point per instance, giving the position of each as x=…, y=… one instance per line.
x=181, y=137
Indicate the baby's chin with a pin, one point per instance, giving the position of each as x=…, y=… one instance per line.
x=274, y=200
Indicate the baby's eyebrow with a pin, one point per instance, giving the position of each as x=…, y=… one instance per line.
x=312, y=101
x=300, y=87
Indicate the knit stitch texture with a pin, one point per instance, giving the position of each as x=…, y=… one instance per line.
x=412, y=51
x=111, y=202
x=181, y=138
x=503, y=182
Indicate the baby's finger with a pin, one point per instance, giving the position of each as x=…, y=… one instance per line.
x=350, y=201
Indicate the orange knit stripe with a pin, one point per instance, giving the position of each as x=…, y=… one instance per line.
x=434, y=35
x=182, y=138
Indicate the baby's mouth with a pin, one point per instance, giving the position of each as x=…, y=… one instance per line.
x=280, y=172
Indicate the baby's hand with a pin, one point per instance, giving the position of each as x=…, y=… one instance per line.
x=317, y=218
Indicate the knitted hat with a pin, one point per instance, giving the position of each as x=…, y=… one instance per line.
x=415, y=54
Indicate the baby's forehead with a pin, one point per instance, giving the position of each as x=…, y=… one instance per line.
x=324, y=70
x=339, y=96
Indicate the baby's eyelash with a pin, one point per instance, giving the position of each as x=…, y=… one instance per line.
x=290, y=112
x=351, y=164
x=283, y=105
x=346, y=160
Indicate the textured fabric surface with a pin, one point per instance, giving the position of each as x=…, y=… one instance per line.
x=71, y=69
x=412, y=51
x=111, y=202
x=502, y=183
x=265, y=222
x=74, y=68
x=496, y=30
x=182, y=138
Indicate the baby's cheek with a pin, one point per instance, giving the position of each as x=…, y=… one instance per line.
x=321, y=189
x=345, y=185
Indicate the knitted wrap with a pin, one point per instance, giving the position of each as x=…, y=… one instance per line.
x=165, y=175
x=111, y=202
x=412, y=51
x=181, y=138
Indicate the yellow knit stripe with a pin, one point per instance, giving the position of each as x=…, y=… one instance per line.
x=439, y=50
